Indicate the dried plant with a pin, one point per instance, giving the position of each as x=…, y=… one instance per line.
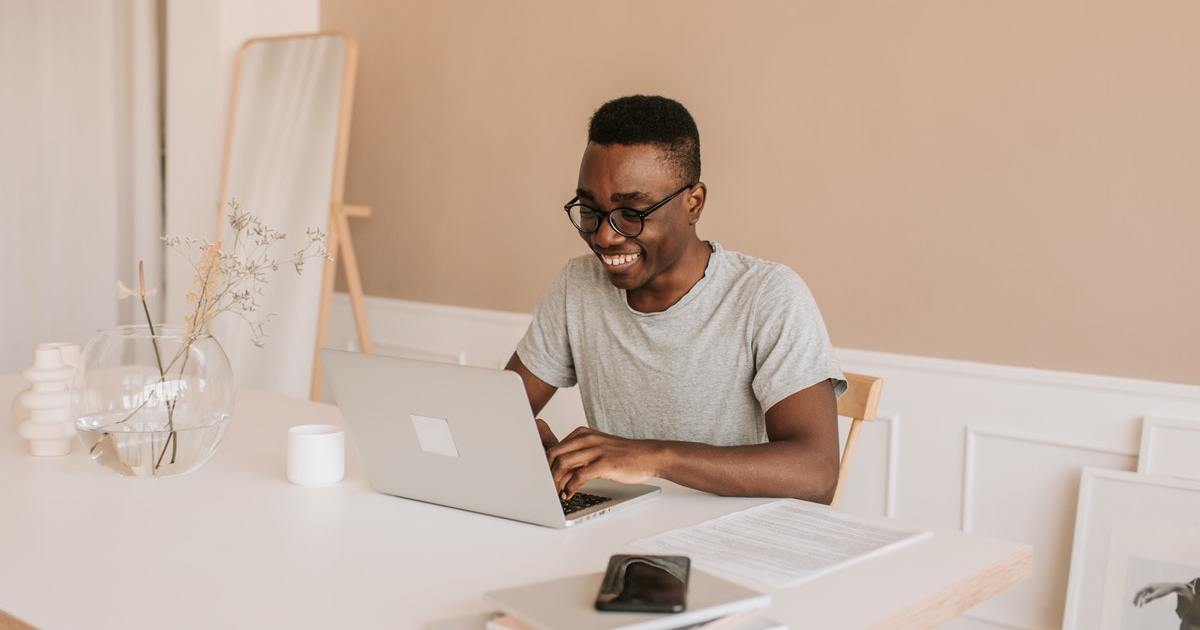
x=232, y=280
x=223, y=281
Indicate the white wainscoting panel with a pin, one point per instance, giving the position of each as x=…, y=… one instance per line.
x=412, y=351
x=478, y=337
x=940, y=399
x=1170, y=446
x=871, y=483
x=1015, y=488
x=1033, y=430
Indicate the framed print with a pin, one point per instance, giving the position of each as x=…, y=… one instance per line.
x=1135, y=562
x=1170, y=446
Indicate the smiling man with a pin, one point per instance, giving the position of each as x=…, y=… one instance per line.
x=695, y=364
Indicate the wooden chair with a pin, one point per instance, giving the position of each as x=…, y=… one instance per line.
x=859, y=402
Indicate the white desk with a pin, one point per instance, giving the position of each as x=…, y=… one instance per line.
x=235, y=545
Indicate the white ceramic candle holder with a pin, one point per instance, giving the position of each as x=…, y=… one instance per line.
x=47, y=426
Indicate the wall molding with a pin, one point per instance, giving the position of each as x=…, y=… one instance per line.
x=1152, y=427
x=888, y=465
x=973, y=435
x=972, y=438
x=893, y=462
x=375, y=302
x=394, y=348
x=934, y=365
x=1033, y=376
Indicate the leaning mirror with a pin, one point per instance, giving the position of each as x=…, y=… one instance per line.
x=285, y=162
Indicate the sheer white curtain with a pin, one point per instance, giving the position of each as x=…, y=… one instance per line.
x=80, y=167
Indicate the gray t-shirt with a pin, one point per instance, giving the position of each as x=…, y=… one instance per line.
x=745, y=337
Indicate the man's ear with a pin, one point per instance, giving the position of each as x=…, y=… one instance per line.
x=694, y=202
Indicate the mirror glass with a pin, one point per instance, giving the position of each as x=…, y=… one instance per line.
x=280, y=167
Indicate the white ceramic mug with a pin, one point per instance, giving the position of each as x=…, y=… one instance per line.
x=316, y=454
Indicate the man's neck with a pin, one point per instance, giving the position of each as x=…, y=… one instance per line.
x=670, y=286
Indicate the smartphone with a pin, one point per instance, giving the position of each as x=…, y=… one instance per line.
x=645, y=584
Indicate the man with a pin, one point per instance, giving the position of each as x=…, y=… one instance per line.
x=695, y=364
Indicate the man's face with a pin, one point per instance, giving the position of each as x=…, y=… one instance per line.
x=637, y=177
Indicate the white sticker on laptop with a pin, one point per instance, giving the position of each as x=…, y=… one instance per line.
x=434, y=435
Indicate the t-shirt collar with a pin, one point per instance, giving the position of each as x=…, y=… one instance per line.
x=697, y=289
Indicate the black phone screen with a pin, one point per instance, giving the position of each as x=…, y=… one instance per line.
x=644, y=584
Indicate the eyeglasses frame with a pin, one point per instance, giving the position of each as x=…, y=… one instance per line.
x=641, y=214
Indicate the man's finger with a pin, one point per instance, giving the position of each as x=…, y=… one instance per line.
x=570, y=444
x=562, y=467
x=574, y=459
x=579, y=477
x=545, y=434
x=578, y=432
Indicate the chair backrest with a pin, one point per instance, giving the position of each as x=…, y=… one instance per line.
x=859, y=402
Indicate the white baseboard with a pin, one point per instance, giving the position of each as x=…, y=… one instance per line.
x=932, y=474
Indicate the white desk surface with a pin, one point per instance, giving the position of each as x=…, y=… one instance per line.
x=235, y=545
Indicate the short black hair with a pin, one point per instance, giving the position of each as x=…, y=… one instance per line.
x=656, y=120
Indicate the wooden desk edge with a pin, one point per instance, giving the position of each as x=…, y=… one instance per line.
x=9, y=622
x=960, y=597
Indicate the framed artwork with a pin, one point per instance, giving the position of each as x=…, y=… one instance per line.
x=1170, y=446
x=1135, y=562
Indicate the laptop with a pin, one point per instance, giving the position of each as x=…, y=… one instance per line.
x=463, y=437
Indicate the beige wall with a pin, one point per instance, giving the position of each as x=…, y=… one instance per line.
x=1006, y=182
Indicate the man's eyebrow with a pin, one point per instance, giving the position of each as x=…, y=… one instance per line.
x=636, y=195
x=631, y=196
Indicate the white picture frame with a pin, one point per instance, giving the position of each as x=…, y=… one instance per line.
x=1131, y=528
x=1170, y=446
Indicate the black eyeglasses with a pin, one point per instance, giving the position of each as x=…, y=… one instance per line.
x=624, y=221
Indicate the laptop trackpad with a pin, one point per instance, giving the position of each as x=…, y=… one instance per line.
x=434, y=435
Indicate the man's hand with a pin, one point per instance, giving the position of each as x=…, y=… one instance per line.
x=546, y=434
x=1155, y=591
x=587, y=454
x=799, y=460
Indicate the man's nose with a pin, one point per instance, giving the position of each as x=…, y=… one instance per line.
x=606, y=236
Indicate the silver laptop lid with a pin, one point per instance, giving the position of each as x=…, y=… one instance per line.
x=448, y=434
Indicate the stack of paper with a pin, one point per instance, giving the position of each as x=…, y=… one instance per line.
x=780, y=544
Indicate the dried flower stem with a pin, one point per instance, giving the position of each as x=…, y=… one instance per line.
x=173, y=437
x=226, y=282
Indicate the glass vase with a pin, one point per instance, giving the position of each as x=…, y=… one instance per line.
x=152, y=405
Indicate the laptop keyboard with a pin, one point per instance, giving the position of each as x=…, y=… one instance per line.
x=581, y=501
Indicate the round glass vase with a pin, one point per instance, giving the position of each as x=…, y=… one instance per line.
x=152, y=405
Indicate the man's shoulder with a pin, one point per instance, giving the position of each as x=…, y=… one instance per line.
x=582, y=269
x=581, y=278
x=766, y=276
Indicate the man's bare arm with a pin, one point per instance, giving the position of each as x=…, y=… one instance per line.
x=539, y=393
x=801, y=459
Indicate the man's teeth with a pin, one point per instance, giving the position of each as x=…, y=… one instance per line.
x=619, y=260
